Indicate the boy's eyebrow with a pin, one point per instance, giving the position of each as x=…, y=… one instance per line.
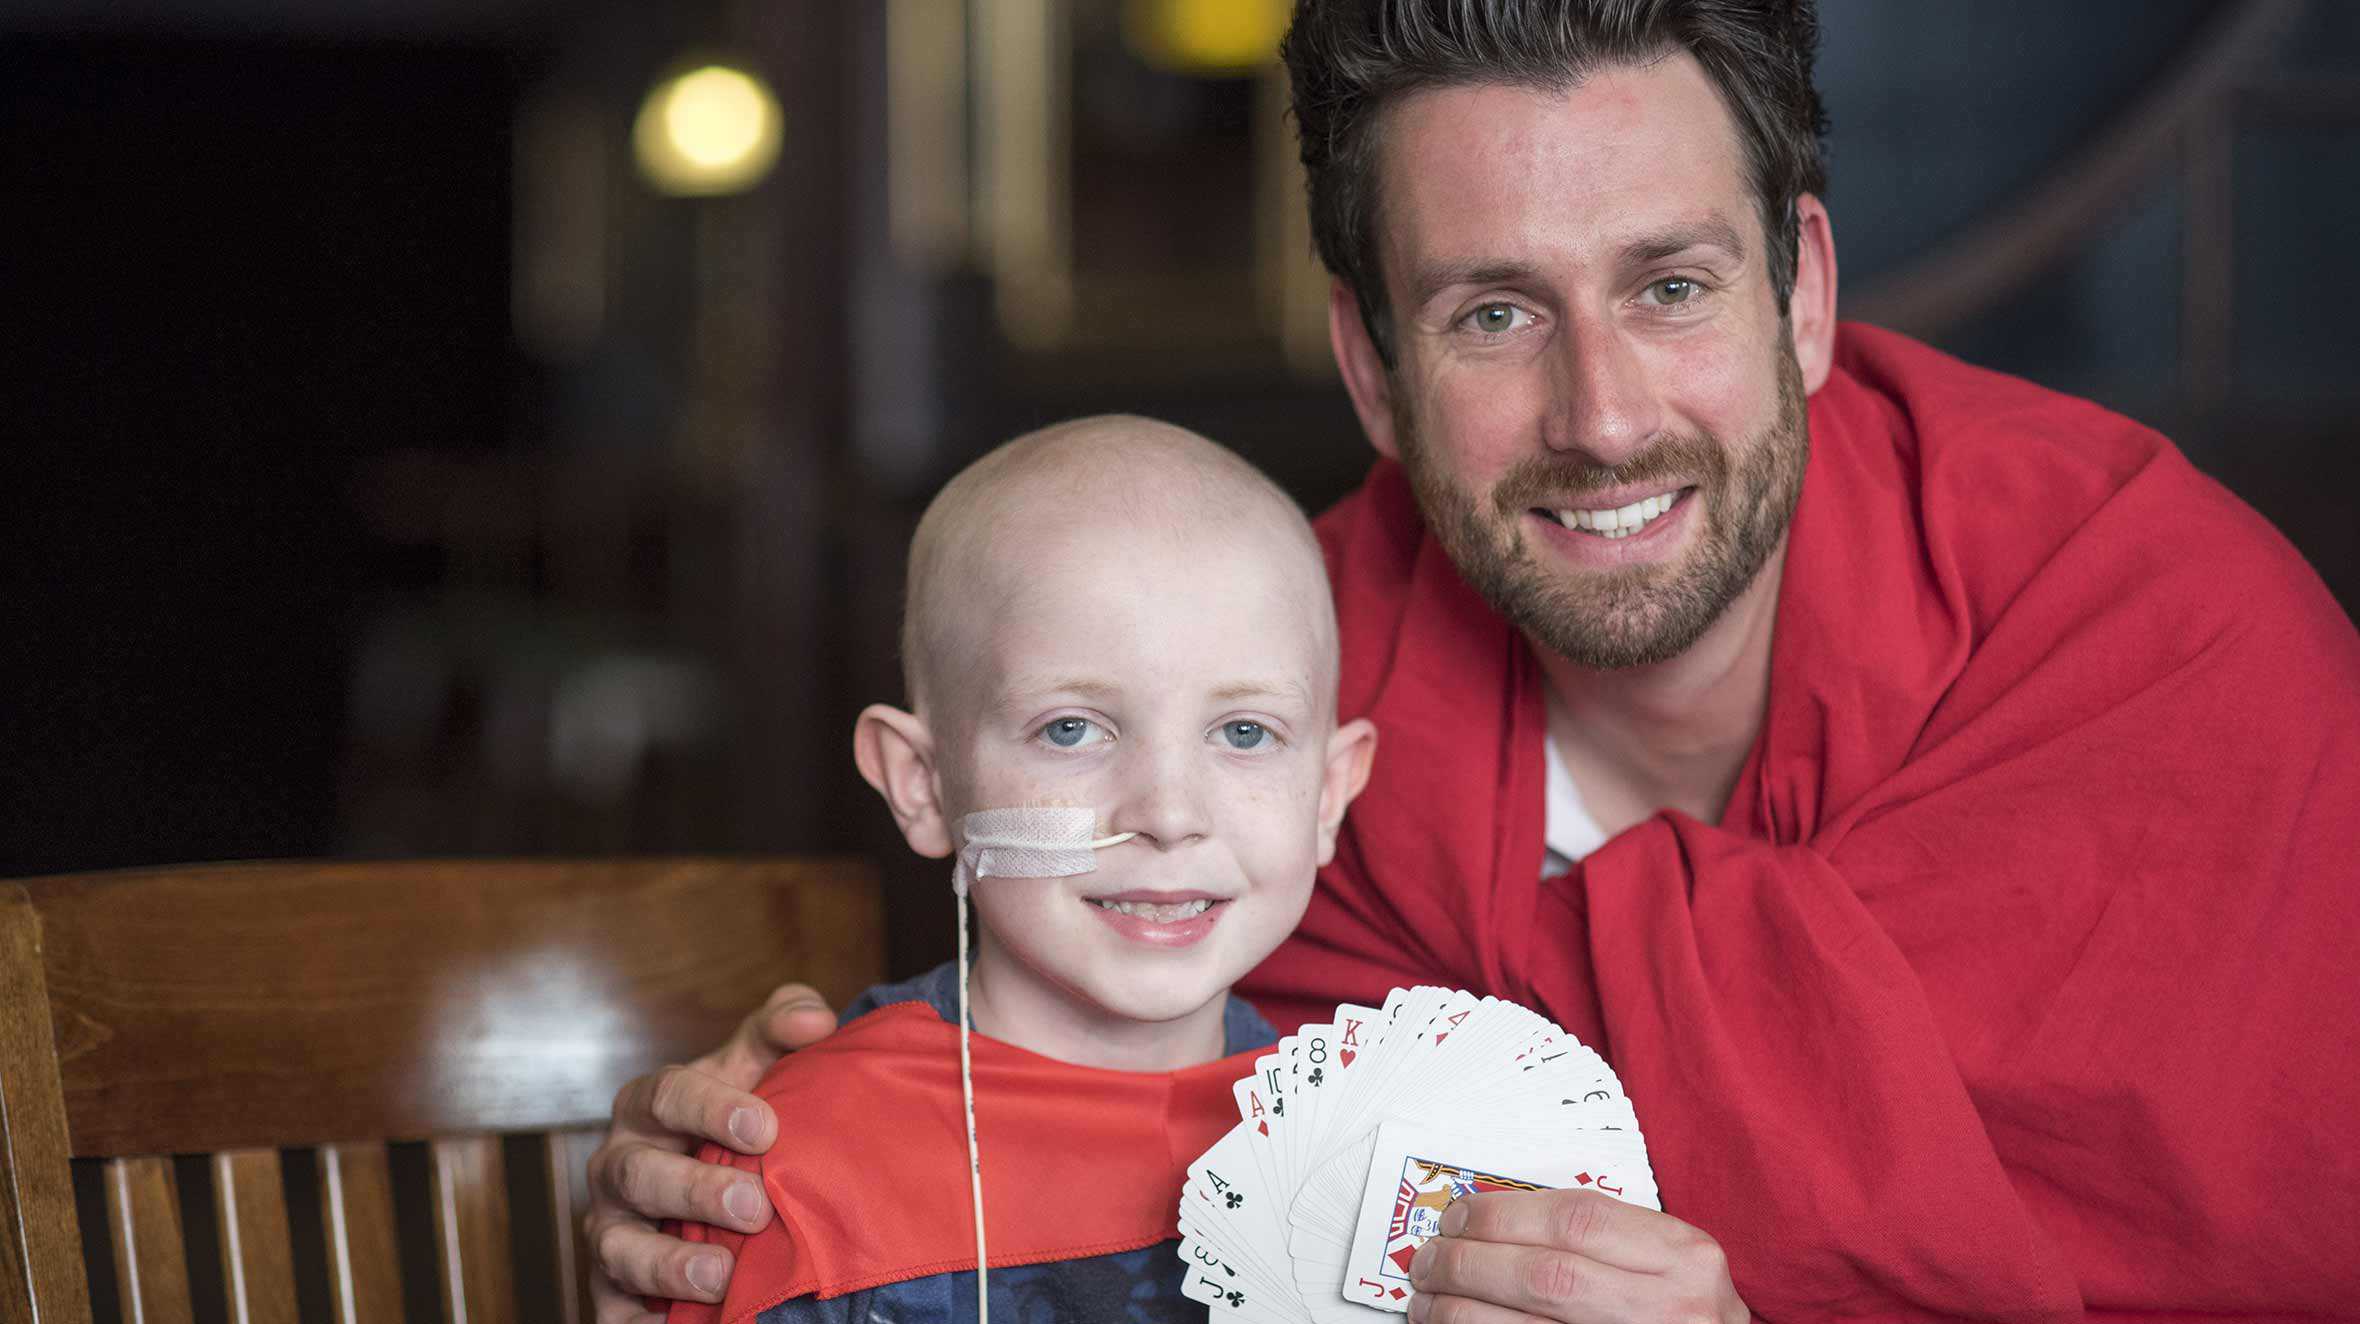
x=1027, y=691
x=1263, y=689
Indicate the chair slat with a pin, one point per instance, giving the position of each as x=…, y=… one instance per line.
x=143, y=1216
x=257, y=1256
x=569, y=1198
x=41, y=1276
x=356, y=1201
x=468, y=1185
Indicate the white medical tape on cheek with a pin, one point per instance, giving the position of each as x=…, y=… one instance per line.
x=1048, y=842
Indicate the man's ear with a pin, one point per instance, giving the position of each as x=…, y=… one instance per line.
x=895, y=753
x=1350, y=753
x=1811, y=309
x=1365, y=377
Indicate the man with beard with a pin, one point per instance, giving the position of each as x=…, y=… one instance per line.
x=1934, y=797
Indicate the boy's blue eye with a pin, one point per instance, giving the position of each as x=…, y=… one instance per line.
x=1068, y=732
x=1245, y=735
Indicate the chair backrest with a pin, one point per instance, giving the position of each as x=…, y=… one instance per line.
x=276, y=1080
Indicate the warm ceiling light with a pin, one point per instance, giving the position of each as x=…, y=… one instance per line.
x=710, y=130
x=1207, y=38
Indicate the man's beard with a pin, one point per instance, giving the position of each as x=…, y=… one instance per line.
x=1628, y=616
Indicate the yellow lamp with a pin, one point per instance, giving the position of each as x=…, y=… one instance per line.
x=711, y=130
x=1206, y=38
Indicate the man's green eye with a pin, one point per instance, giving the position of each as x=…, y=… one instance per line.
x=1674, y=290
x=1495, y=317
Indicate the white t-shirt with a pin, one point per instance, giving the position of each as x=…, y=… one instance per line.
x=1568, y=831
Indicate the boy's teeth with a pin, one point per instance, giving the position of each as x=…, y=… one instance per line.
x=1161, y=914
x=1621, y=521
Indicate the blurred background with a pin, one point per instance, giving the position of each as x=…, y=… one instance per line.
x=493, y=426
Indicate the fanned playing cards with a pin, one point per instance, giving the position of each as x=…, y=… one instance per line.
x=1356, y=1134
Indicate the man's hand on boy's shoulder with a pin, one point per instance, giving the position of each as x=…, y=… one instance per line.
x=643, y=1171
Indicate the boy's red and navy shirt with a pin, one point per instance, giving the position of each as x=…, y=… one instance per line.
x=872, y=1213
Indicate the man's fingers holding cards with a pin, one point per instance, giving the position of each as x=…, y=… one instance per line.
x=1569, y=1255
x=1463, y=1281
x=1595, y=1226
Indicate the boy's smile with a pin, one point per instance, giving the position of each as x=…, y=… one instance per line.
x=1160, y=919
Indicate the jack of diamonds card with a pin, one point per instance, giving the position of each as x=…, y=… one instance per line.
x=1424, y=1188
x=1416, y=1172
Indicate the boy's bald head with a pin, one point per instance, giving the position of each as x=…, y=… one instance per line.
x=1068, y=490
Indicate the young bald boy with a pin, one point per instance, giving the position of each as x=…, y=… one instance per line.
x=1120, y=617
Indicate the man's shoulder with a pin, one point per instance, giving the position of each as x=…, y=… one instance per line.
x=1987, y=523
x=2008, y=480
x=1946, y=413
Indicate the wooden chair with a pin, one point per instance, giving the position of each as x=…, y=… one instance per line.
x=276, y=1080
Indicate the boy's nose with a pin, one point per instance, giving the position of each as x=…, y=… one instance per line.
x=1162, y=801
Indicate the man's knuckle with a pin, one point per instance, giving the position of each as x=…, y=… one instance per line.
x=610, y=1176
x=600, y=1171
x=1694, y=1310
x=1579, y=1220
x=627, y=1098
x=1450, y=1310
x=1552, y=1277
x=635, y=1179
x=588, y=1228
x=669, y=1093
x=1444, y=1264
x=611, y=1243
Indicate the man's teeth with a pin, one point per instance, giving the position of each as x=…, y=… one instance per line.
x=1160, y=914
x=1621, y=522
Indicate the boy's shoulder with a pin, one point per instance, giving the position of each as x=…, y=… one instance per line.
x=872, y=1136
x=937, y=988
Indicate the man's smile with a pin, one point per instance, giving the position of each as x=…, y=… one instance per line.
x=1622, y=519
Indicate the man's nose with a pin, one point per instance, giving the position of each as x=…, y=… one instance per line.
x=1162, y=797
x=1606, y=406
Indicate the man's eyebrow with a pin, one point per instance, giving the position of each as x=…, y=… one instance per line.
x=1654, y=246
x=1428, y=280
x=1677, y=239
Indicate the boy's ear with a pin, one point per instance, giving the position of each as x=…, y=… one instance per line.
x=895, y=753
x=1350, y=753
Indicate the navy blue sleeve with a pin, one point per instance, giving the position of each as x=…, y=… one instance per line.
x=845, y=1309
x=937, y=988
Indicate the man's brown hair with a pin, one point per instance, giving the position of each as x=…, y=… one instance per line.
x=1348, y=60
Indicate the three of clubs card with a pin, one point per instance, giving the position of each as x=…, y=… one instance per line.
x=1355, y=1134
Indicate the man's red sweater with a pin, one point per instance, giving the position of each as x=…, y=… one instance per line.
x=2021, y=977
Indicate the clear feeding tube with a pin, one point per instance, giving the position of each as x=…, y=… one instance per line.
x=1010, y=843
